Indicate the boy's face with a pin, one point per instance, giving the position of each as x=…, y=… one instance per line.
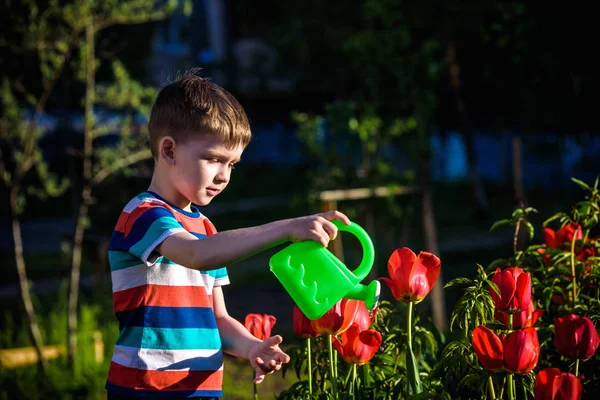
x=202, y=168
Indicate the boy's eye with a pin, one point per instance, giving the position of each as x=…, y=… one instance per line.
x=232, y=166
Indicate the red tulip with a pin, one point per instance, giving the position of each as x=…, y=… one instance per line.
x=412, y=277
x=357, y=346
x=338, y=319
x=521, y=319
x=551, y=384
x=515, y=289
x=518, y=352
x=575, y=337
x=559, y=239
x=260, y=325
x=302, y=325
x=364, y=318
x=488, y=347
x=521, y=351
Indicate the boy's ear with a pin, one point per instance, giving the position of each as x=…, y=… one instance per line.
x=166, y=149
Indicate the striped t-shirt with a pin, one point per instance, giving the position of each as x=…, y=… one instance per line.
x=169, y=344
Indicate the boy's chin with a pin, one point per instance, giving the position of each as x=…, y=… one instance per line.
x=203, y=201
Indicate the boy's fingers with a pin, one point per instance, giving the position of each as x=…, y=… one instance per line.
x=320, y=236
x=283, y=358
x=274, y=340
x=330, y=228
x=266, y=368
x=259, y=378
x=336, y=215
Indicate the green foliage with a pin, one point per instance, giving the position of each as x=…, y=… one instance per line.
x=554, y=291
x=475, y=306
x=333, y=139
x=88, y=382
x=385, y=376
x=62, y=36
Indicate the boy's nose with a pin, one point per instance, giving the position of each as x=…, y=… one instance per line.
x=223, y=175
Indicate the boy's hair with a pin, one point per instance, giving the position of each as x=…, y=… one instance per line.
x=193, y=106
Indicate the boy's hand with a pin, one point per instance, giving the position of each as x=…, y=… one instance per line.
x=266, y=357
x=316, y=227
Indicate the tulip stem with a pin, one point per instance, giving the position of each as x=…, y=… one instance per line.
x=577, y=367
x=491, y=387
x=331, y=368
x=255, y=393
x=347, y=383
x=573, y=266
x=354, y=380
x=335, y=364
x=411, y=362
x=502, y=388
x=511, y=387
x=309, y=365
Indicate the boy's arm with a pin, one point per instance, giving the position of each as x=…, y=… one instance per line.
x=264, y=356
x=228, y=247
x=235, y=338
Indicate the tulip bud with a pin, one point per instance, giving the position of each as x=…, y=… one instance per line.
x=515, y=290
x=551, y=384
x=518, y=352
x=412, y=277
x=356, y=346
x=575, y=337
x=260, y=325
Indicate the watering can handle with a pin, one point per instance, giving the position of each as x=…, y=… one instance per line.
x=365, y=265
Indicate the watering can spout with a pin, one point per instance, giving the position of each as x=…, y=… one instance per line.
x=367, y=293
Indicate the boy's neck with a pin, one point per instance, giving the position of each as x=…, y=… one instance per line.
x=165, y=190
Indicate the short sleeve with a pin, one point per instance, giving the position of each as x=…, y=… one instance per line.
x=221, y=277
x=149, y=230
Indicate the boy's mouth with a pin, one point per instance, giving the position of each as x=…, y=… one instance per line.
x=212, y=191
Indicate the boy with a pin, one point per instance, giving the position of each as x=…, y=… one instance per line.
x=168, y=263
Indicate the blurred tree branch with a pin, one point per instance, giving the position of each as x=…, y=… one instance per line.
x=56, y=35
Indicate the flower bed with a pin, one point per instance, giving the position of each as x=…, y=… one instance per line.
x=525, y=326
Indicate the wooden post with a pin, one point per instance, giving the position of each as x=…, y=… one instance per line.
x=438, y=304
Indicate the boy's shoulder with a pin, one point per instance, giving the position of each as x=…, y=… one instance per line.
x=147, y=207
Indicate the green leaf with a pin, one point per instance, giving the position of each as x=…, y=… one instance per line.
x=581, y=184
x=493, y=286
x=413, y=372
x=530, y=229
x=458, y=282
x=552, y=218
x=499, y=263
x=500, y=223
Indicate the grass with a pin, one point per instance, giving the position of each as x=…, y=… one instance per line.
x=238, y=377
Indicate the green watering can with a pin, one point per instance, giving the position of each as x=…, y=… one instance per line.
x=316, y=279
